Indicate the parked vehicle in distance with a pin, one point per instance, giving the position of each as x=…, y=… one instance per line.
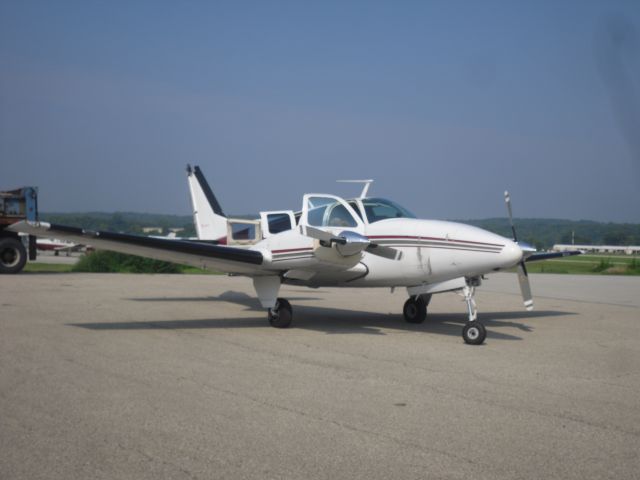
x=16, y=205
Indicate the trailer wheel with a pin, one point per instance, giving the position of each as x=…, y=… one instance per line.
x=13, y=255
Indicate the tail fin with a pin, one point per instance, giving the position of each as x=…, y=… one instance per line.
x=208, y=217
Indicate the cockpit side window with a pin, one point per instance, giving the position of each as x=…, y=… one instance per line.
x=317, y=209
x=316, y=216
x=339, y=216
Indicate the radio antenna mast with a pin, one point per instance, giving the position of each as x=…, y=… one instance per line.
x=365, y=188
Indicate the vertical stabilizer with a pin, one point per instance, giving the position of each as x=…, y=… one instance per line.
x=208, y=217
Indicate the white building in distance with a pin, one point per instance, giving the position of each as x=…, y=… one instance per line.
x=628, y=250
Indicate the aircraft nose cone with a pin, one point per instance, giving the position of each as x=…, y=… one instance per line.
x=511, y=254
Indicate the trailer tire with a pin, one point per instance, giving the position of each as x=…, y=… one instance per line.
x=13, y=255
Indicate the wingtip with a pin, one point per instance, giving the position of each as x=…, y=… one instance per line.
x=14, y=227
x=26, y=226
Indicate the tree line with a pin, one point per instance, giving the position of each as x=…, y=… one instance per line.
x=543, y=233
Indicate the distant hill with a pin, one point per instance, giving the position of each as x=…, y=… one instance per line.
x=545, y=232
x=540, y=232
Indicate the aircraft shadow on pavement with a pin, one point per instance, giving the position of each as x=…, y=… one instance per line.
x=334, y=320
x=239, y=298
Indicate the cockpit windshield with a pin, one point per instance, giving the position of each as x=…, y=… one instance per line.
x=378, y=209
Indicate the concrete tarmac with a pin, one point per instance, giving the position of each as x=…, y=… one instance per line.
x=180, y=376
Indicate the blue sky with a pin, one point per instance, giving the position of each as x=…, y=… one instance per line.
x=444, y=104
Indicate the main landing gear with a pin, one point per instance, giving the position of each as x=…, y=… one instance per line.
x=415, y=308
x=281, y=315
x=279, y=310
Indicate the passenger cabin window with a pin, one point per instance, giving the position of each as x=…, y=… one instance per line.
x=279, y=222
x=378, y=209
x=243, y=231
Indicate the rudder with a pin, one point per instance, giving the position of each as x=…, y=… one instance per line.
x=208, y=217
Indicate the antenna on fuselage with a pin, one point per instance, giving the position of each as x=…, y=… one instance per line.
x=365, y=189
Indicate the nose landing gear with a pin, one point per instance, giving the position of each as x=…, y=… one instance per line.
x=473, y=332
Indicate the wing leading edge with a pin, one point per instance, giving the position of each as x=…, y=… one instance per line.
x=197, y=254
x=535, y=257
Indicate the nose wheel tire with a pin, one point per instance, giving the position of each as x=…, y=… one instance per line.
x=474, y=333
x=281, y=315
x=415, y=310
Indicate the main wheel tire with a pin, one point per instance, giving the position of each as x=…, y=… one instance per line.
x=13, y=255
x=474, y=333
x=281, y=315
x=415, y=310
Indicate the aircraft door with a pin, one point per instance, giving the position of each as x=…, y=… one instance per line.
x=329, y=213
x=332, y=215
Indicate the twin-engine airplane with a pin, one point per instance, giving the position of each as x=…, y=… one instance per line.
x=362, y=242
x=57, y=246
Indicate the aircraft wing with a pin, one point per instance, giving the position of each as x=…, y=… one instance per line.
x=196, y=254
x=67, y=248
x=534, y=257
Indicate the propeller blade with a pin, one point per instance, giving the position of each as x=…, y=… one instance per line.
x=525, y=287
x=321, y=235
x=385, y=252
x=348, y=237
x=523, y=276
x=507, y=200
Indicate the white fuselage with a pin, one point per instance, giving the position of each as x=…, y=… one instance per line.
x=432, y=251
